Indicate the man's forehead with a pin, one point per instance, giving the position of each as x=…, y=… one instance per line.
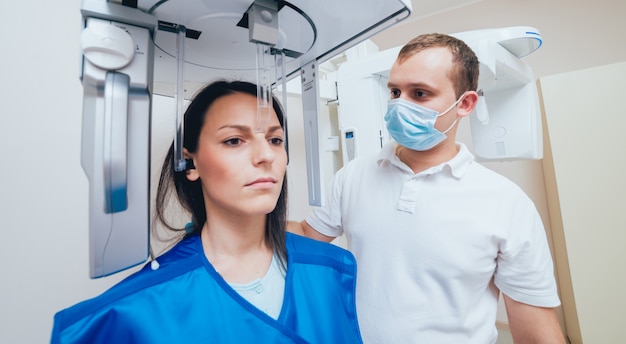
x=416, y=72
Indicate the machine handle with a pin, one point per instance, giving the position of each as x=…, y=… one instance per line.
x=482, y=112
x=116, y=89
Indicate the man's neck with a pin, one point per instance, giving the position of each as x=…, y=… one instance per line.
x=420, y=161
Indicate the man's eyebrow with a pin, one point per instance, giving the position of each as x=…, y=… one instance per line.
x=410, y=85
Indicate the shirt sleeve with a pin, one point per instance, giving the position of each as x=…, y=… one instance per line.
x=327, y=218
x=525, y=271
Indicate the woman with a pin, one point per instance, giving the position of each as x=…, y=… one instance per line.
x=236, y=276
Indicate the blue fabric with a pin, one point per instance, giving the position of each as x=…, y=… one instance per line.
x=187, y=301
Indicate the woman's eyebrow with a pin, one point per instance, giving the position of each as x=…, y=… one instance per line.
x=274, y=128
x=248, y=128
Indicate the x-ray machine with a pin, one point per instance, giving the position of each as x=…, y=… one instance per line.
x=130, y=48
x=506, y=124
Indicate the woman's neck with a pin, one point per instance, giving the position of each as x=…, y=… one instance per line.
x=238, y=251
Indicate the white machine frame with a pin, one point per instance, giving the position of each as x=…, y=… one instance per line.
x=506, y=124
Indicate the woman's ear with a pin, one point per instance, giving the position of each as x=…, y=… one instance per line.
x=191, y=172
x=468, y=103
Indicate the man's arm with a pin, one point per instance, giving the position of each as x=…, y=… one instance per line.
x=303, y=228
x=530, y=324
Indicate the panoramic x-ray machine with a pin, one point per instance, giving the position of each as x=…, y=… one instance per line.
x=132, y=48
x=506, y=124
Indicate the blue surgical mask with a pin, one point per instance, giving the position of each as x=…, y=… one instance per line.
x=413, y=126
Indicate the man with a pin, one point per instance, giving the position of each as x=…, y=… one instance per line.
x=436, y=235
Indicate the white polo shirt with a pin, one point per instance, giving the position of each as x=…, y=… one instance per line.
x=433, y=248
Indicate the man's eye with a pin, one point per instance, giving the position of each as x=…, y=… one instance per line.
x=394, y=93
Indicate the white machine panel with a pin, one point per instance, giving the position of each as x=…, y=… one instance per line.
x=349, y=140
x=506, y=124
x=117, y=77
x=310, y=103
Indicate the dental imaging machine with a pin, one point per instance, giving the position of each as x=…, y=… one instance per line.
x=506, y=124
x=133, y=49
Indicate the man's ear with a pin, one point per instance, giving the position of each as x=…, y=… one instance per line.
x=191, y=173
x=468, y=103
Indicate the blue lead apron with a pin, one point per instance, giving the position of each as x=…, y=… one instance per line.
x=187, y=301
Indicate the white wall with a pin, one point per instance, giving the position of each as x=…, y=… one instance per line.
x=586, y=119
x=43, y=190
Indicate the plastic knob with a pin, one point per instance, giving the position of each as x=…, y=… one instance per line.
x=107, y=46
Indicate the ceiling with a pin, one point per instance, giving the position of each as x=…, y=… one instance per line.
x=576, y=34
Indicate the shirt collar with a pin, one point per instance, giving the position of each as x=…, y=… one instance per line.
x=458, y=165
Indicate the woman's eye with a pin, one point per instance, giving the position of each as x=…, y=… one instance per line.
x=233, y=142
x=276, y=141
